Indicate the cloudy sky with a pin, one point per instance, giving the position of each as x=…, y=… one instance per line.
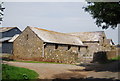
x=57, y=16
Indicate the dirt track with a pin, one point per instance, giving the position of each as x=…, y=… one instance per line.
x=50, y=71
x=64, y=71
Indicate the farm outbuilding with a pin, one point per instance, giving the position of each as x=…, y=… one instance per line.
x=96, y=42
x=45, y=45
x=6, y=34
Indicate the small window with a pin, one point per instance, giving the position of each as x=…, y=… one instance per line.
x=56, y=46
x=27, y=37
x=86, y=47
x=84, y=55
x=69, y=47
x=103, y=38
x=79, y=48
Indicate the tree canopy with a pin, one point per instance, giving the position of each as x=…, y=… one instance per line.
x=106, y=14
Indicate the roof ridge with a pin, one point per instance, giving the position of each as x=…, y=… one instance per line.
x=87, y=32
x=51, y=31
x=8, y=27
x=4, y=29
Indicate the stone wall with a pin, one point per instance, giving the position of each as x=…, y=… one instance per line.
x=27, y=46
x=113, y=53
x=83, y=55
x=96, y=47
x=92, y=48
x=62, y=53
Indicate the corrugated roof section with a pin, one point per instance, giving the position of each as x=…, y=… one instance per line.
x=89, y=36
x=13, y=38
x=56, y=37
x=5, y=39
x=4, y=29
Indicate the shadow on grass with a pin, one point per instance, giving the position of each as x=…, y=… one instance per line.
x=72, y=79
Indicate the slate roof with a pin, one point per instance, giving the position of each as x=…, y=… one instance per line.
x=4, y=29
x=56, y=37
x=89, y=36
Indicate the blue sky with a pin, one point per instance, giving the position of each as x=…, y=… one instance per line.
x=57, y=16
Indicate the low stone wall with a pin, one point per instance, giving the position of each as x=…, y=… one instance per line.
x=59, y=54
x=111, y=54
x=62, y=54
x=103, y=56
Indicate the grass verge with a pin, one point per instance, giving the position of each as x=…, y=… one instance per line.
x=10, y=73
x=37, y=62
x=115, y=58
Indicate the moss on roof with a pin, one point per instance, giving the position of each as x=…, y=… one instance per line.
x=56, y=37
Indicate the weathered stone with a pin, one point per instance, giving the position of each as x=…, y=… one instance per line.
x=28, y=46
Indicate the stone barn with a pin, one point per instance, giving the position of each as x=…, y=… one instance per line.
x=96, y=41
x=6, y=34
x=43, y=45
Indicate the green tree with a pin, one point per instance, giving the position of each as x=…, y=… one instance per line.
x=106, y=14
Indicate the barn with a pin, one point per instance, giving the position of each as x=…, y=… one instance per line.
x=96, y=42
x=6, y=34
x=44, y=45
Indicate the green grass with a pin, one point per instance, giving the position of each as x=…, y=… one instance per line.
x=10, y=73
x=116, y=58
x=37, y=62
